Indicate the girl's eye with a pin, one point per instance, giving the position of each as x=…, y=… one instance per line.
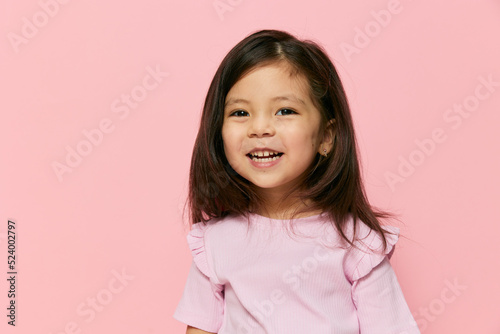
x=238, y=113
x=287, y=111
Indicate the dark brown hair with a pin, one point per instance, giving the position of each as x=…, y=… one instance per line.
x=333, y=184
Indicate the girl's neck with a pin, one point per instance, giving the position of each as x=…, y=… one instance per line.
x=286, y=216
x=275, y=210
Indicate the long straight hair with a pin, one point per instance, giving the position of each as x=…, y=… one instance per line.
x=333, y=184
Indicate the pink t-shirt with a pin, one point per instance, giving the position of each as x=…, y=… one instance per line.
x=268, y=281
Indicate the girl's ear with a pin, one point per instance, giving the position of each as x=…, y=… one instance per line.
x=328, y=138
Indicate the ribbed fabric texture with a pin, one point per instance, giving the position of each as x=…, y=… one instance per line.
x=266, y=281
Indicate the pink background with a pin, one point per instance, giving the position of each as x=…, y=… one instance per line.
x=119, y=209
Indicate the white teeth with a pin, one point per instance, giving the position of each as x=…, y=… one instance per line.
x=263, y=153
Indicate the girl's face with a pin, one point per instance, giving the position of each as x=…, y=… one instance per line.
x=267, y=112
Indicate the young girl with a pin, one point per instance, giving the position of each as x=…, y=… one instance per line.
x=275, y=152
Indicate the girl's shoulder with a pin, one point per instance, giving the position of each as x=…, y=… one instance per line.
x=199, y=235
x=368, y=249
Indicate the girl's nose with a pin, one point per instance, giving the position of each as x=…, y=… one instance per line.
x=261, y=126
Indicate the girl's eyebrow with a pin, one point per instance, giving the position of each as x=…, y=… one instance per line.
x=277, y=98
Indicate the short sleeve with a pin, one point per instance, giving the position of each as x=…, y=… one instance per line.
x=376, y=293
x=202, y=302
x=380, y=303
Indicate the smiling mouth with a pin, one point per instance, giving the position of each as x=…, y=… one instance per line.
x=264, y=157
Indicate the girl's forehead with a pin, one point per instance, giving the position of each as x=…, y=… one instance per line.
x=273, y=76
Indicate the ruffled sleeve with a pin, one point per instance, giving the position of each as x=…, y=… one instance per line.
x=196, y=243
x=380, y=303
x=202, y=303
x=368, y=253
